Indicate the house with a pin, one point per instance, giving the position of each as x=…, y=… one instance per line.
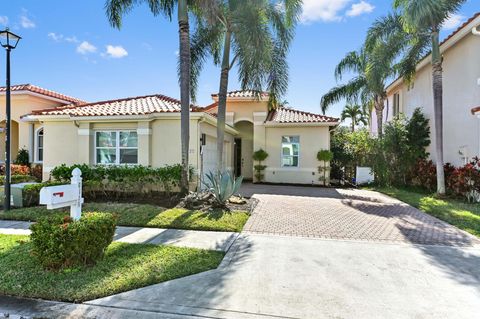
x=461, y=67
x=26, y=98
x=145, y=130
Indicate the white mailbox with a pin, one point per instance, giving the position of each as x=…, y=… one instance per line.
x=65, y=195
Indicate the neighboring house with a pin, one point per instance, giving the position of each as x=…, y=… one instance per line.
x=27, y=98
x=461, y=67
x=146, y=130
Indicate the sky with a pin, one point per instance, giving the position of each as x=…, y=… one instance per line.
x=70, y=47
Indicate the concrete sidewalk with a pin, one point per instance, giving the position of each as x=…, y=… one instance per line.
x=210, y=240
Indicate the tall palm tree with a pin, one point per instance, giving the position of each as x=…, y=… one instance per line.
x=427, y=17
x=253, y=35
x=116, y=9
x=356, y=114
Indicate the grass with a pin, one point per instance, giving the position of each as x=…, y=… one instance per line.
x=145, y=215
x=124, y=267
x=455, y=212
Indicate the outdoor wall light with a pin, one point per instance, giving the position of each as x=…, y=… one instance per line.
x=8, y=39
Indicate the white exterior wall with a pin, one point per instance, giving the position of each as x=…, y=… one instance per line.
x=461, y=68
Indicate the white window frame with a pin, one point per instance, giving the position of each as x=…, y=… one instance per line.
x=117, y=147
x=36, y=145
x=282, y=156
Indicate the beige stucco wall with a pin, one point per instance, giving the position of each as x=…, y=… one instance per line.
x=158, y=142
x=461, y=68
x=312, y=140
x=21, y=132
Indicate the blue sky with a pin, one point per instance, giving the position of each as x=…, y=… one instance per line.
x=69, y=46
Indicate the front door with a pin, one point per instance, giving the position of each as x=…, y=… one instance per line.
x=237, y=155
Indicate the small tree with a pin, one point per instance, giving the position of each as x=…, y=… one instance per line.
x=259, y=156
x=22, y=157
x=324, y=156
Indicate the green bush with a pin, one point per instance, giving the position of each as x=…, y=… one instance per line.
x=259, y=156
x=324, y=156
x=61, y=243
x=31, y=193
x=15, y=179
x=118, y=181
x=22, y=157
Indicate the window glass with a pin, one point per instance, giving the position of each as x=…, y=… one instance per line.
x=106, y=139
x=40, y=145
x=290, y=151
x=116, y=147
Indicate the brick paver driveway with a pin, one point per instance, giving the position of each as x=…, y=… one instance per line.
x=346, y=214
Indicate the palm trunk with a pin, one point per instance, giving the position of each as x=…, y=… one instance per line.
x=222, y=100
x=184, y=34
x=379, y=112
x=353, y=125
x=438, y=108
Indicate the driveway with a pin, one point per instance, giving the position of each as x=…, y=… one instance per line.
x=324, y=253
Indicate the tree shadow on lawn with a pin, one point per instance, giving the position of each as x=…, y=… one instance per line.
x=124, y=267
x=447, y=247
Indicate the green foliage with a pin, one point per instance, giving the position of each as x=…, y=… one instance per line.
x=61, y=243
x=260, y=155
x=144, y=215
x=325, y=155
x=418, y=134
x=22, y=157
x=15, y=179
x=122, y=181
x=223, y=186
x=124, y=267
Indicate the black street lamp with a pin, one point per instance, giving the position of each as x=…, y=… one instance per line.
x=9, y=41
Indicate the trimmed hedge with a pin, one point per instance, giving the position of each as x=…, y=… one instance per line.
x=61, y=242
x=18, y=179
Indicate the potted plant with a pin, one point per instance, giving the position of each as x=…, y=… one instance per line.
x=259, y=156
x=324, y=156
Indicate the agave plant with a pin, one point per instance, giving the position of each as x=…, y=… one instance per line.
x=223, y=186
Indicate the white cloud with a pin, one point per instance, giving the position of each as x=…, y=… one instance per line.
x=360, y=8
x=72, y=39
x=26, y=23
x=3, y=20
x=55, y=36
x=322, y=10
x=86, y=47
x=453, y=22
x=116, y=52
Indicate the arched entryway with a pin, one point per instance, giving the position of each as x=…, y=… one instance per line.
x=243, y=162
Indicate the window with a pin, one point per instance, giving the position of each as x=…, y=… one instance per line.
x=290, y=151
x=396, y=104
x=116, y=147
x=39, y=145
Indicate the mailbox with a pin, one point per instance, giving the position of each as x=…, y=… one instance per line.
x=59, y=196
x=65, y=195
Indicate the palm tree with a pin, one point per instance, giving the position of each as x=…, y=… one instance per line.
x=116, y=9
x=253, y=35
x=367, y=86
x=356, y=114
x=426, y=17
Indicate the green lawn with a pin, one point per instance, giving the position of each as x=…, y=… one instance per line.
x=458, y=213
x=124, y=267
x=147, y=216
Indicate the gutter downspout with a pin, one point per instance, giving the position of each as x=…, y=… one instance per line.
x=200, y=153
x=476, y=31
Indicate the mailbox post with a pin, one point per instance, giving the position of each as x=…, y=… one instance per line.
x=65, y=195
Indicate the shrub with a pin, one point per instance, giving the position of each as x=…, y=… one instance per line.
x=117, y=181
x=424, y=175
x=324, y=156
x=22, y=157
x=37, y=172
x=16, y=169
x=259, y=156
x=60, y=242
x=31, y=193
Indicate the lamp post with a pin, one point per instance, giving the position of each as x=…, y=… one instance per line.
x=9, y=41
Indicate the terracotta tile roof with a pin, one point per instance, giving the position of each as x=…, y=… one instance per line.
x=287, y=115
x=475, y=110
x=39, y=90
x=242, y=94
x=141, y=105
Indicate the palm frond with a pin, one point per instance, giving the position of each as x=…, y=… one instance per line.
x=350, y=92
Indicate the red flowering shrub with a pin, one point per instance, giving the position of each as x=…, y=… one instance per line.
x=466, y=179
x=16, y=169
x=37, y=172
x=424, y=175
